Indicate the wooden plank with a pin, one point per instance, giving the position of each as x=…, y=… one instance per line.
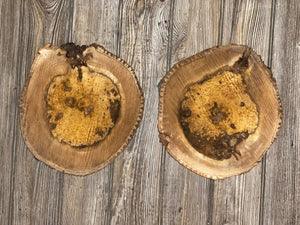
x=236, y=200
x=136, y=172
x=282, y=178
x=87, y=200
x=187, y=196
x=10, y=16
x=45, y=187
x=26, y=27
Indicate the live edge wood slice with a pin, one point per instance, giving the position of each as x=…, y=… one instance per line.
x=79, y=108
x=219, y=111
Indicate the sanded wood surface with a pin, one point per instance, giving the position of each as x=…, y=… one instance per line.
x=145, y=185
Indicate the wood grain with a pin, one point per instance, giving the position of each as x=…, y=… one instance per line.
x=281, y=194
x=33, y=188
x=137, y=172
x=145, y=185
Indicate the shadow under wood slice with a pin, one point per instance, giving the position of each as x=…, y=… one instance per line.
x=219, y=111
x=79, y=108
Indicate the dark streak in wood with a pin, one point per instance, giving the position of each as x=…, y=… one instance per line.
x=119, y=32
x=61, y=198
x=221, y=23
x=210, y=203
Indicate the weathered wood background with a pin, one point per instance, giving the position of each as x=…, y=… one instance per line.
x=144, y=185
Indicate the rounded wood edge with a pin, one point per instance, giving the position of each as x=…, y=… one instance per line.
x=164, y=137
x=22, y=113
x=183, y=163
x=272, y=79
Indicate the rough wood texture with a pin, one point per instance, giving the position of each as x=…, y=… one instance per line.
x=145, y=185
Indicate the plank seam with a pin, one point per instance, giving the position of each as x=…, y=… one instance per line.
x=61, y=175
x=221, y=23
x=211, y=188
x=56, y=20
x=263, y=162
x=112, y=168
x=61, y=198
x=16, y=123
x=235, y=17
x=120, y=25
x=70, y=33
x=163, y=157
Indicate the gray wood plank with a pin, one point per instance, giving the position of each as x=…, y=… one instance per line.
x=236, y=200
x=26, y=27
x=38, y=194
x=87, y=200
x=10, y=18
x=187, y=197
x=136, y=172
x=281, y=203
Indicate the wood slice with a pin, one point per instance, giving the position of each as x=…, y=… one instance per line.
x=219, y=111
x=79, y=108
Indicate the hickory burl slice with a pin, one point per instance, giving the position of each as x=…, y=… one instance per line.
x=219, y=111
x=79, y=108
